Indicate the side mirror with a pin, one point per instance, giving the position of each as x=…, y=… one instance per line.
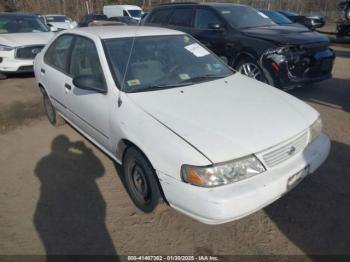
x=53, y=28
x=215, y=27
x=90, y=83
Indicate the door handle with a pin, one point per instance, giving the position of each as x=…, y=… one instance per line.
x=43, y=71
x=69, y=87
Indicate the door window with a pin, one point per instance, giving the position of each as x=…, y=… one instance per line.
x=85, y=60
x=58, y=53
x=204, y=18
x=182, y=17
x=160, y=17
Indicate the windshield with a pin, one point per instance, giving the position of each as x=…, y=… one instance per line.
x=277, y=17
x=240, y=16
x=57, y=19
x=161, y=62
x=289, y=13
x=11, y=25
x=135, y=13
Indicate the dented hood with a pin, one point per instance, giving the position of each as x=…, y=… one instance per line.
x=293, y=35
x=228, y=118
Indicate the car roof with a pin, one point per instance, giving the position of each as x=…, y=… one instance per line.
x=199, y=4
x=17, y=14
x=55, y=15
x=109, y=32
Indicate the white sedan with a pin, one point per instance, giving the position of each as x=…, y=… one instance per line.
x=214, y=144
x=61, y=22
x=22, y=36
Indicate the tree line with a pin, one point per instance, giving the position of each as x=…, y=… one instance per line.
x=77, y=8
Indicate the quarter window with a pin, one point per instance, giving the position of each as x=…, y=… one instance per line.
x=85, y=60
x=204, y=18
x=58, y=53
x=182, y=17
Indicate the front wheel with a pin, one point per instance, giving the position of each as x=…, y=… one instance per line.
x=347, y=13
x=140, y=180
x=250, y=68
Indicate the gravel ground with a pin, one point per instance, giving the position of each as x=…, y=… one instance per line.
x=69, y=200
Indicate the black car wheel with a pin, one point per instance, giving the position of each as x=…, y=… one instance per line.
x=53, y=117
x=347, y=13
x=2, y=76
x=140, y=180
x=250, y=68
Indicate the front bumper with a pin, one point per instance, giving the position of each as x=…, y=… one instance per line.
x=12, y=65
x=231, y=202
x=299, y=68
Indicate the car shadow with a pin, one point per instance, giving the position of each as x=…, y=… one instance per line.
x=70, y=214
x=334, y=93
x=315, y=216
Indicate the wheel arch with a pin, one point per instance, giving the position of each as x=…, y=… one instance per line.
x=123, y=146
x=242, y=55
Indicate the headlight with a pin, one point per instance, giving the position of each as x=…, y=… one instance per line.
x=222, y=174
x=315, y=129
x=6, y=48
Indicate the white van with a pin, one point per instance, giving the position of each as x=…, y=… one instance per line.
x=132, y=11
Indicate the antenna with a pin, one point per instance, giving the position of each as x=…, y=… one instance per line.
x=127, y=67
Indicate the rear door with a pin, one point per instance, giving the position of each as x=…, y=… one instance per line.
x=54, y=71
x=182, y=19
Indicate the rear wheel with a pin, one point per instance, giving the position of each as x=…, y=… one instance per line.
x=140, y=180
x=54, y=118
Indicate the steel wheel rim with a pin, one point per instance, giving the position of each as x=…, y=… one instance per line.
x=139, y=184
x=251, y=70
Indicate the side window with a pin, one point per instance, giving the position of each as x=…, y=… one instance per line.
x=204, y=18
x=85, y=60
x=160, y=17
x=58, y=53
x=182, y=17
x=125, y=13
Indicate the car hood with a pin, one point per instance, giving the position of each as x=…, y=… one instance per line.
x=23, y=39
x=63, y=25
x=281, y=34
x=228, y=118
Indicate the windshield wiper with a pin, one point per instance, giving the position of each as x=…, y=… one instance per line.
x=205, y=77
x=160, y=87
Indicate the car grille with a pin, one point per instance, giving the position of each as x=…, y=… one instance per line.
x=28, y=52
x=281, y=153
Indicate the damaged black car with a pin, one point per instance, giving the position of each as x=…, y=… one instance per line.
x=282, y=56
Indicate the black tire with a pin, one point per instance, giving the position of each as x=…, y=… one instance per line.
x=54, y=118
x=347, y=14
x=141, y=181
x=245, y=62
x=2, y=76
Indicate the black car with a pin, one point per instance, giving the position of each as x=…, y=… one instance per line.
x=86, y=20
x=124, y=19
x=312, y=22
x=344, y=6
x=282, y=56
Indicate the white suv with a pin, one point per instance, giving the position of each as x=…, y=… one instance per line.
x=214, y=144
x=22, y=36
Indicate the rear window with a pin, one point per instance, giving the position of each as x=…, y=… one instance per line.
x=160, y=16
x=182, y=17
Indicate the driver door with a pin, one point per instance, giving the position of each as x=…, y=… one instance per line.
x=88, y=109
